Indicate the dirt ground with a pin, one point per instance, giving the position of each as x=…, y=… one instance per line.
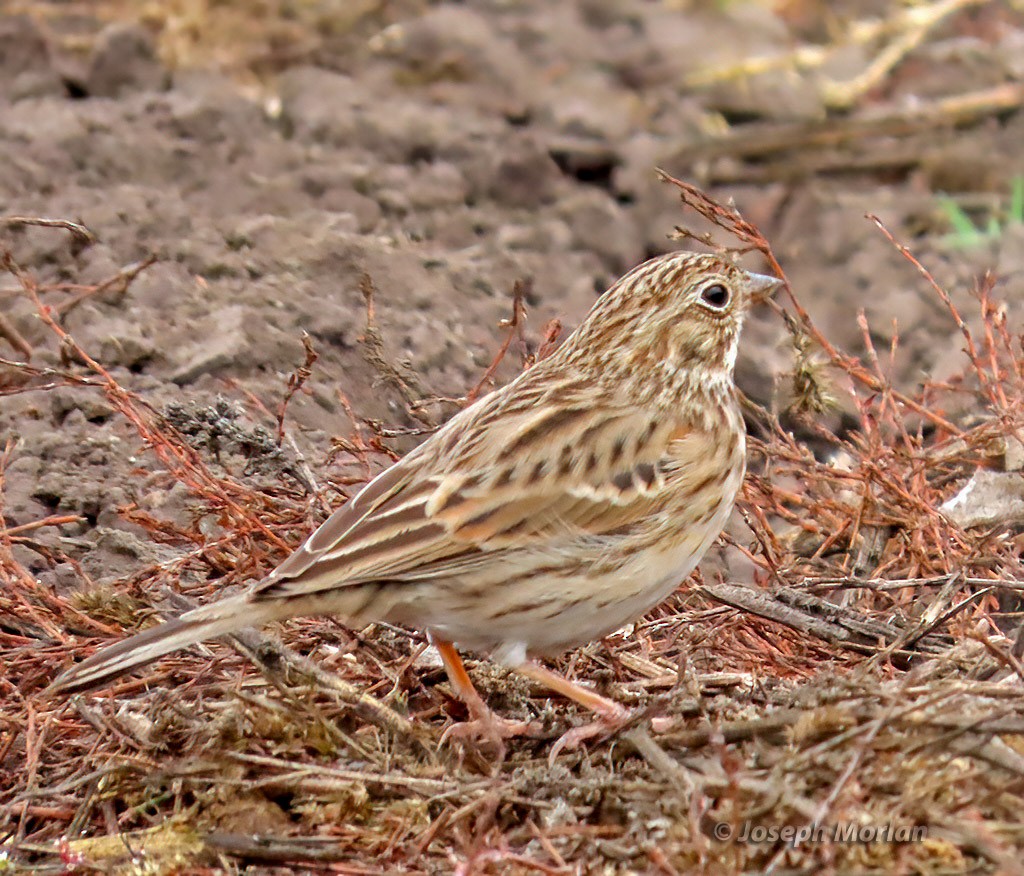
x=274, y=156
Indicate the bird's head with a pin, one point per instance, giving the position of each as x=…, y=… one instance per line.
x=677, y=316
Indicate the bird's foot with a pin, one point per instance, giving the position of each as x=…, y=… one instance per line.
x=492, y=731
x=609, y=722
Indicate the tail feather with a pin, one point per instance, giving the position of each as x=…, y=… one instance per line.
x=199, y=625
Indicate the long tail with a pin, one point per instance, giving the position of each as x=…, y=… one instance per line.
x=208, y=622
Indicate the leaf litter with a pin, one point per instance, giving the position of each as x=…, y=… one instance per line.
x=870, y=676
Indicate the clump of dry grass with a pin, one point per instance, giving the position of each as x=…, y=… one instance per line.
x=863, y=682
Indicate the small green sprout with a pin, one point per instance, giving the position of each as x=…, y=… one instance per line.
x=966, y=235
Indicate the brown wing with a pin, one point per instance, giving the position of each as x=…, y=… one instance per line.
x=474, y=489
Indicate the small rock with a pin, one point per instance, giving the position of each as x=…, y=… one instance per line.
x=90, y=403
x=599, y=224
x=208, y=108
x=319, y=105
x=525, y=176
x=25, y=69
x=1013, y=453
x=124, y=59
x=129, y=544
x=452, y=43
x=551, y=235
x=989, y=498
x=124, y=344
x=164, y=286
x=220, y=341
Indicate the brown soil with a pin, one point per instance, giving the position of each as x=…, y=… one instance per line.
x=272, y=158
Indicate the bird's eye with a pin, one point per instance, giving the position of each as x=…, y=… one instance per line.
x=716, y=296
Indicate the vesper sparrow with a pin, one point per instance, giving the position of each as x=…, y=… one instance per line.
x=547, y=514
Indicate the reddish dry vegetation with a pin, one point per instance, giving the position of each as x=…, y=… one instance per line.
x=869, y=678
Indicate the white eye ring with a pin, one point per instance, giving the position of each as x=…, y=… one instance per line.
x=715, y=296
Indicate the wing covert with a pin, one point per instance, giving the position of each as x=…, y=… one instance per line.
x=427, y=516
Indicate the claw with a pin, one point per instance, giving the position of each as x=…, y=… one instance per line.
x=491, y=729
x=607, y=725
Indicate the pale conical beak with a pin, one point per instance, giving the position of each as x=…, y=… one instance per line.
x=761, y=287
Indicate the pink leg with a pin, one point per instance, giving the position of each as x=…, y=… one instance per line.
x=611, y=716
